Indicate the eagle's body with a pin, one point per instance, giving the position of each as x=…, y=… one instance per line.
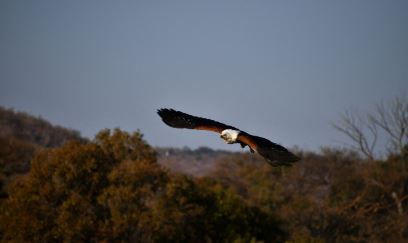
x=274, y=153
x=230, y=135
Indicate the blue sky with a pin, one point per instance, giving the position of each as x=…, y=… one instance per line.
x=279, y=69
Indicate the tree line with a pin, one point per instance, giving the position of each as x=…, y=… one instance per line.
x=112, y=189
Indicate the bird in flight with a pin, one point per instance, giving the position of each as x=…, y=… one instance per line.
x=274, y=154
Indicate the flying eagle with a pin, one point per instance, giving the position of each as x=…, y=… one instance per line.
x=275, y=154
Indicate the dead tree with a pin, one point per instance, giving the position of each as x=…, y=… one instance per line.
x=393, y=120
x=363, y=129
x=360, y=130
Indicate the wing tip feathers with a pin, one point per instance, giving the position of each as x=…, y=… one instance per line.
x=176, y=119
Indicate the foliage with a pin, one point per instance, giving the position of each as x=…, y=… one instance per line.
x=333, y=196
x=112, y=189
x=21, y=136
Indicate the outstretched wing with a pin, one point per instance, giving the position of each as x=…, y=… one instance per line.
x=274, y=153
x=180, y=119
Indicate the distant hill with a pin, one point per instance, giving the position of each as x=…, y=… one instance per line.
x=21, y=134
x=36, y=130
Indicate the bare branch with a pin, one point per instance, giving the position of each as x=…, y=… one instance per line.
x=363, y=130
x=393, y=119
x=353, y=125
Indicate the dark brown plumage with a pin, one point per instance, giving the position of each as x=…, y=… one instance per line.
x=274, y=153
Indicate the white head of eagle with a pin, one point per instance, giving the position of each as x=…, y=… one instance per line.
x=230, y=135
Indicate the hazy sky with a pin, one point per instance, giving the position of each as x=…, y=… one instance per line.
x=279, y=69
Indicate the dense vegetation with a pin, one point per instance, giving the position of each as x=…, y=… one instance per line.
x=22, y=134
x=118, y=188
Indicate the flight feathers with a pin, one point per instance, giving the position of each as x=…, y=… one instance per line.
x=177, y=119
